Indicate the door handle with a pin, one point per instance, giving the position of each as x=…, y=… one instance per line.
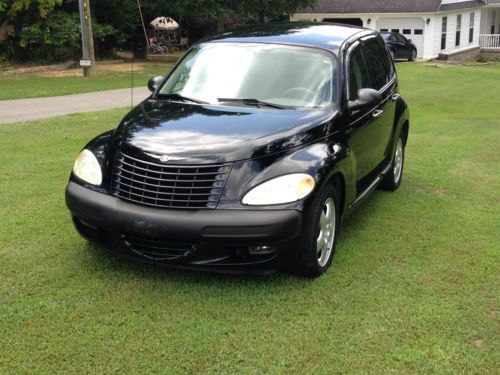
x=378, y=113
x=395, y=97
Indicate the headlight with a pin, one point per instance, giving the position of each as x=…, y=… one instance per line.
x=87, y=168
x=279, y=190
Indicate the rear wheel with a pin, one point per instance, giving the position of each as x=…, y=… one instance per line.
x=392, y=179
x=320, y=237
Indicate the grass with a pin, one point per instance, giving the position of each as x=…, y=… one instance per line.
x=41, y=85
x=413, y=287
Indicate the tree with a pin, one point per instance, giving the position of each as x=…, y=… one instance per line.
x=269, y=8
x=51, y=25
x=9, y=9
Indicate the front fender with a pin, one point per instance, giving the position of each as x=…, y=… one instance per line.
x=320, y=160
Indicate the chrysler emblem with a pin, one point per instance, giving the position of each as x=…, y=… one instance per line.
x=165, y=158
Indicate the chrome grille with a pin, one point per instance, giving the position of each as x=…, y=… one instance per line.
x=158, y=249
x=167, y=185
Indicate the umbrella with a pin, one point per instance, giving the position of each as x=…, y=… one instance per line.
x=165, y=23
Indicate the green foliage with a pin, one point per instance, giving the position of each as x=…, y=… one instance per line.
x=15, y=7
x=57, y=36
x=52, y=26
x=270, y=7
x=58, y=29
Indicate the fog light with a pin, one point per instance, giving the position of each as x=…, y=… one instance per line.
x=261, y=250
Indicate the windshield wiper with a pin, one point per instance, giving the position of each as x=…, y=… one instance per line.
x=177, y=96
x=255, y=102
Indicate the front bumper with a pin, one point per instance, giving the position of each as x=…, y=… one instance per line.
x=217, y=240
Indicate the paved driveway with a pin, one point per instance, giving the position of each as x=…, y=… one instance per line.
x=21, y=110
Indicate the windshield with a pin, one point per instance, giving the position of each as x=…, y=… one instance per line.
x=275, y=74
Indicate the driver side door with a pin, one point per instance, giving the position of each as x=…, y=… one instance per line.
x=369, y=130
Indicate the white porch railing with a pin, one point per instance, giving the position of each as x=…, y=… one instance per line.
x=489, y=41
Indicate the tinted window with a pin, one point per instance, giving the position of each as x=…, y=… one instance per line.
x=358, y=74
x=389, y=67
x=376, y=61
x=401, y=38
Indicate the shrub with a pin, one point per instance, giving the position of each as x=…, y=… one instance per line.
x=57, y=37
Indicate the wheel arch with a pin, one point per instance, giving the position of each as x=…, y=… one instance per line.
x=338, y=181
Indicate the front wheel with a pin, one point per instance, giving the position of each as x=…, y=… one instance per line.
x=319, y=239
x=392, y=179
x=413, y=56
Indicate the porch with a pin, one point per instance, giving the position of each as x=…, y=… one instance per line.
x=489, y=41
x=489, y=37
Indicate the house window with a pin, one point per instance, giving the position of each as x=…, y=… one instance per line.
x=384, y=30
x=459, y=28
x=492, y=29
x=406, y=31
x=444, y=27
x=395, y=30
x=471, y=27
x=418, y=32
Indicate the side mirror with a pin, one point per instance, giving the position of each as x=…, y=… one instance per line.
x=367, y=98
x=155, y=82
x=409, y=40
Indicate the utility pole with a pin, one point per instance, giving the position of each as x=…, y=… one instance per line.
x=88, y=60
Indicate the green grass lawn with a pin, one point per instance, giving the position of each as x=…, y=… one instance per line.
x=413, y=287
x=35, y=86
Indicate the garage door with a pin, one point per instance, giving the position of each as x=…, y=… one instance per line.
x=411, y=28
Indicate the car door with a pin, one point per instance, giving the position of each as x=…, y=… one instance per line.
x=369, y=131
x=405, y=49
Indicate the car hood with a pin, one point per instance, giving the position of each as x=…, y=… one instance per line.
x=191, y=133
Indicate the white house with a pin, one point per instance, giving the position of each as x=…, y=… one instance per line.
x=450, y=29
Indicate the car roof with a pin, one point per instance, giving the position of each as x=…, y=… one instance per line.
x=310, y=34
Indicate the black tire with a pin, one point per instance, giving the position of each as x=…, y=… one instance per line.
x=308, y=262
x=413, y=56
x=393, y=178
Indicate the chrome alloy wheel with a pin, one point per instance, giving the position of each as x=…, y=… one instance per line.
x=398, y=161
x=327, y=228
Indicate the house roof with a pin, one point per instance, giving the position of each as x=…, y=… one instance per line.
x=387, y=6
x=462, y=5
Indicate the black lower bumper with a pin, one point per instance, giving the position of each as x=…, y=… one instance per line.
x=218, y=240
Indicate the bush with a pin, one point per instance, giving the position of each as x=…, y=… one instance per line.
x=482, y=57
x=56, y=38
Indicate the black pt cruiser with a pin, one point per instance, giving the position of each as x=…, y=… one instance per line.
x=248, y=153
